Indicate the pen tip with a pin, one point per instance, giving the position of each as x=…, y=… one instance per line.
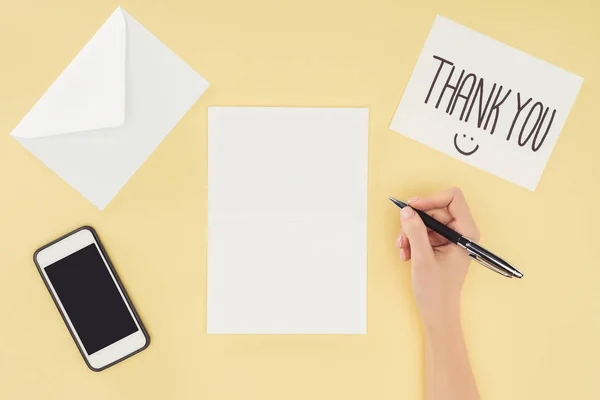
x=397, y=202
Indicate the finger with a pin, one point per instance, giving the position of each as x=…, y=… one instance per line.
x=454, y=200
x=399, y=241
x=405, y=247
x=416, y=232
x=441, y=214
x=403, y=244
x=437, y=240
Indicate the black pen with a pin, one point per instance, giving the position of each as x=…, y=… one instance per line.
x=476, y=252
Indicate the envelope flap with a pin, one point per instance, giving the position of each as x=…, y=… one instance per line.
x=90, y=92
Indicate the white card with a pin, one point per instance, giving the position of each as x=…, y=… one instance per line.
x=486, y=103
x=110, y=108
x=287, y=214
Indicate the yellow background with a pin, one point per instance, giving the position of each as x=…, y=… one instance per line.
x=538, y=338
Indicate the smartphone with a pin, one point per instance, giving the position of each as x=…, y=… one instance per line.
x=91, y=299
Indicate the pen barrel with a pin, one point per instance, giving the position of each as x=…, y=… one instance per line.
x=492, y=259
x=438, y=227
x=490, y=266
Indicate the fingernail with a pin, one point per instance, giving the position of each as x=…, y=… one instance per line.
x=399, y=242
x=407, y=212
x=412, y=200
x=402, y=255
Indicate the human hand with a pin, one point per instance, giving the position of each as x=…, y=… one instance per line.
x=438, y=266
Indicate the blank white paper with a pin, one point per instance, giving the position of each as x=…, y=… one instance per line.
x=287, y=214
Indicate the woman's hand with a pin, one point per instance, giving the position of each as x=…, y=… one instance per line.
x=438, y=266
x=438, y=272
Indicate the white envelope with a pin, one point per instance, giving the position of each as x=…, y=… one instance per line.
x=110, y=108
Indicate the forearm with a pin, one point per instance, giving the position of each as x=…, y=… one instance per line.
x=448, y=373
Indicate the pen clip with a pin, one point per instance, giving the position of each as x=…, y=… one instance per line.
x=483, y=262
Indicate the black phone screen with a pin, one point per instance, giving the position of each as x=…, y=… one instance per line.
x=91, y=299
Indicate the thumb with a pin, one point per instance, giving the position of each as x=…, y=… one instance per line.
x=416, y=232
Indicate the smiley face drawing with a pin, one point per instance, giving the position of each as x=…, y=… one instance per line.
x=464, y=139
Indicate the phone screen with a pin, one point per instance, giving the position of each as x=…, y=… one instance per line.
x=91, y=299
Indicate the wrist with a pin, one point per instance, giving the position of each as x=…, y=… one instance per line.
x=446, y=320
x=442, y=328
